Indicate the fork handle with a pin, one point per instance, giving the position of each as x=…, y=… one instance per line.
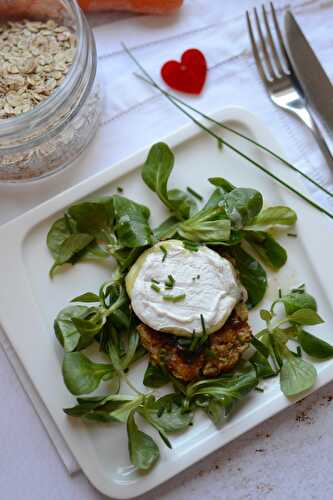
x=307, y=118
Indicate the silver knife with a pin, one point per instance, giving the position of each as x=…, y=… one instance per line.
x=314, y=81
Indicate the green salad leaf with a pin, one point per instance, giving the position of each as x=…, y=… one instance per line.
x=242, y=205
x=132, y=226
x=166, y=413
x=267, y=248
x=67, y=332
x=252, y=275
x=313, y=346
x=156, y=172
x=143, y=450
x=296, y=299
x=82, y=376
x=209, y=225
x=155, y=376
x=296, y=376
x=275, y=216
x=94, y=218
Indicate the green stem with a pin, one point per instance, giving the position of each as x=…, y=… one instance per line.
x=243, y=155
x=252, y=141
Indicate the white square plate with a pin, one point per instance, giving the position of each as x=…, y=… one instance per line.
x=29, y=301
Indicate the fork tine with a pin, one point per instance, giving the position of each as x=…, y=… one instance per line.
x=255, y=50
x=264, y=46
x=271, y=42
x=281, y=42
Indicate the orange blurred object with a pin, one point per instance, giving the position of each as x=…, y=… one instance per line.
x=144, y=6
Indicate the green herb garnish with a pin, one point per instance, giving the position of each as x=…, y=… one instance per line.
x=194, y=193
x=164, y=251
x=296, y=374
x=155, y=287
x=292, y=235
x=170, y=282
x=174, y=298
x=179, y=103
x=120, y=189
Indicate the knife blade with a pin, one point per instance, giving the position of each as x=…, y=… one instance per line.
x=311, y=75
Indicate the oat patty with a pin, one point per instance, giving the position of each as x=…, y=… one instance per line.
x=221, y=353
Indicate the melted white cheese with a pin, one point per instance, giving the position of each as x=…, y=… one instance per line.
x=214, y=294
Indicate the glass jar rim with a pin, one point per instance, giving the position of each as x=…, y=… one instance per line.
x=11, y=125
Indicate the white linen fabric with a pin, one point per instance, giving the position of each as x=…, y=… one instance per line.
x=135, y=116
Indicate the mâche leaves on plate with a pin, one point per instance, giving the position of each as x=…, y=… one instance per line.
x=155, y=376
x=296, y=299
x=222, y=183
x=233, y=223
x=275, y=216
x=94, y=218
x=81, y=375
x=209, y=225
x=68, y=250
x=305, y=317
x=296, y=375
x=143, y=450
x=66, y=331
x=156, y=172
x=314, y=346
x=228, y=389
x=267, y=248
x=251, y=273
x=132, y=227
x=166, y=413
x=242, y=205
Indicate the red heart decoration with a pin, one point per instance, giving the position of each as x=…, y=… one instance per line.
x=189, y=74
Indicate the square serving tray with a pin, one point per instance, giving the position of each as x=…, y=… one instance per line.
x=29, y=300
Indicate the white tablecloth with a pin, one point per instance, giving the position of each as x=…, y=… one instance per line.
x=289, y=455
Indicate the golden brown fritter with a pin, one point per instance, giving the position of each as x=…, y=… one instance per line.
x=221, y=353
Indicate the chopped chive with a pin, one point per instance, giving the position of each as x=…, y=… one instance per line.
x=174, y=298
x=203, y=325
x=177, y=102
x=155, y=281
x=293, y=235
x=259, y=389
x=194, y=193
x=165, y=252
x=120, y=189
x=195, y=339
x=155, y=287
x=198, y=276
x=280, y=293
x=170, y=282
x=299, y=351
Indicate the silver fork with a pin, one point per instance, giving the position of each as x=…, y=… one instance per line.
x=278, y=76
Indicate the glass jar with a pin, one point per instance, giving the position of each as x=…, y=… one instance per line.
x=54, y=133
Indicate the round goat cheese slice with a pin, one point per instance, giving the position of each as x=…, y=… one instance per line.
x=170, y=287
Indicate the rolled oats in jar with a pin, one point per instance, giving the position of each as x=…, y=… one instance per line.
x=49, y=100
